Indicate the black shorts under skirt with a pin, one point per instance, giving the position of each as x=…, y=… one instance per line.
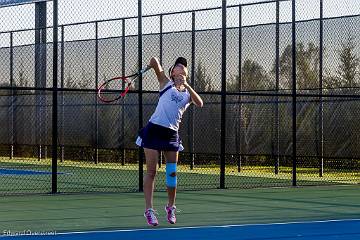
x=160, y=138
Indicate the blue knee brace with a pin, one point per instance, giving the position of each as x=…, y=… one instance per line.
x=171, y=178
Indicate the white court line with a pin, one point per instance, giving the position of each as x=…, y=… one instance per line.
x=210, y=226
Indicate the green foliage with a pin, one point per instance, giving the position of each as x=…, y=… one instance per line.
x=254, y=77
x=85, y=81
x=349, y=64
x=307, y=63
x=251, y=114
x=70, y=82
x=23, y=81
x=202, y=80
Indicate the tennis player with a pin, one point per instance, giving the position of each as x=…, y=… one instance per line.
x=161, y=133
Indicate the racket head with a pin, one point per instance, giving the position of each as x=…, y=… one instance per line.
x=117, y=87
x=113, y=89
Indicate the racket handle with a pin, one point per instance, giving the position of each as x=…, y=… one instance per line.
x=147, y=68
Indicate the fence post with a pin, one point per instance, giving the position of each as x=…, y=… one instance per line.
x=141, y=154
x=321, y=110
x=96, y=152
x=12, y=122
x=161, y=62
x=62, y=61
x=191, y=113
x=55, y=95
x=294, y=122
x=238, y=135
x=277, y=78
x=223, y=98
x=40, y=73
x=123, y=46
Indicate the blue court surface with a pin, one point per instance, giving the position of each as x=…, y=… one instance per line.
x=4, y=171
x=320, y=230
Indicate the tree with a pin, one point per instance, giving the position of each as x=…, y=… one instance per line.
x=344, y=112
x=331, y=81
x=307, y=72
x=307, y=63
x=251, y=112
x=70, y=83
x=85, y=81
x=349, y=63
x=254, y=77
x=23, y=81
x=202, y=81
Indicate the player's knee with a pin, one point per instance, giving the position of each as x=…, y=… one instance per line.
x=151, y=173
x=171, y=177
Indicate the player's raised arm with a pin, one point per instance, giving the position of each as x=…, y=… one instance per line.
x=159, y=71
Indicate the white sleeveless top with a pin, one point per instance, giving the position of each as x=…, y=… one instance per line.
x=171, y=106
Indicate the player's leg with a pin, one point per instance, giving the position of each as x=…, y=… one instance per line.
x=171, y=184
x=149, y=183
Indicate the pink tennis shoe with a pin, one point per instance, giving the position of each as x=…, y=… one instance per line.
x=170, y=214
x=151, y=218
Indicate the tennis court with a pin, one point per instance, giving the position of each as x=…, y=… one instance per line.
x=328, y=212
x=271, y=143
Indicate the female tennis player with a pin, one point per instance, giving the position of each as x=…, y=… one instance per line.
x=161, y=133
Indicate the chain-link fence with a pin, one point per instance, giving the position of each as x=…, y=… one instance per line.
x=240, y=56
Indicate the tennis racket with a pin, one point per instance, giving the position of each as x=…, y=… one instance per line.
x=117, y=87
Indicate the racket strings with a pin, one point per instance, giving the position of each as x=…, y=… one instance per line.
x=118, y=87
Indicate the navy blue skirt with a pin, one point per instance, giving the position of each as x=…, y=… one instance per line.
x=160, y=138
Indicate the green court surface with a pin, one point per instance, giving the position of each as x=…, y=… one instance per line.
x=33, y=176
x=94, y=211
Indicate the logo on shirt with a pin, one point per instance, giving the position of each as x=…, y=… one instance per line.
x=176, y=97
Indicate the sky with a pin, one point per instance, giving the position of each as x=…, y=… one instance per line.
x=74, y=11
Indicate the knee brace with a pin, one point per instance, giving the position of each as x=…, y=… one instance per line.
x=171, y=178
